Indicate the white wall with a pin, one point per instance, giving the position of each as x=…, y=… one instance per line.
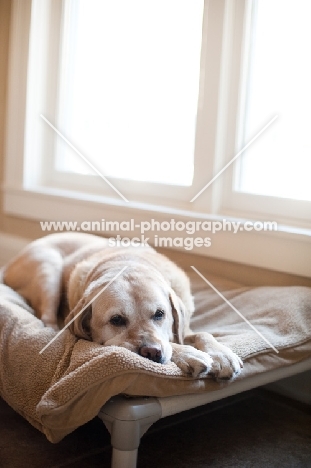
x=9, y=246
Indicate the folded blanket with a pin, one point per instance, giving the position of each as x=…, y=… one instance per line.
x=66, y=385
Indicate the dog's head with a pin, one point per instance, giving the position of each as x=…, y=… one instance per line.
x=138, y=310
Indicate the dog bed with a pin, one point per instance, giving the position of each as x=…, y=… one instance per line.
x=66, y=385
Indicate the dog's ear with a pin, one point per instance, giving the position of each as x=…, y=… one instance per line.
x=79, y=319
x=79, y=322
x=79, y=295
x=178, y=311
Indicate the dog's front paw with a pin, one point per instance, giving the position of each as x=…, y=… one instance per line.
x=192, y=361
x=226, y=364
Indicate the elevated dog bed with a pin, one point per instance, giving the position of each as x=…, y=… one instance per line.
x=68, y=384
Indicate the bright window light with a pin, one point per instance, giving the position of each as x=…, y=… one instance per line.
x=129, y=88
x=278, y=83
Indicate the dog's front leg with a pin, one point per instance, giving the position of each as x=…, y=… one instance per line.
x=191, y=361
x=226, y=364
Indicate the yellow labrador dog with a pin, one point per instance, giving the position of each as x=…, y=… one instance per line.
x=146, y=309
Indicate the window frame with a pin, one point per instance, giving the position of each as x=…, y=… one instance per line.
x=25, y=195
x=290, y=212
x=153, y=193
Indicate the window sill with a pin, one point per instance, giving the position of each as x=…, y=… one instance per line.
x=286, y=250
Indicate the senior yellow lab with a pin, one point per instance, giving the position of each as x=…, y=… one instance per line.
x=146, y=309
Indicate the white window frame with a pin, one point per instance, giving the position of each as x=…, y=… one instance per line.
x=286, y=250
x=289, y=212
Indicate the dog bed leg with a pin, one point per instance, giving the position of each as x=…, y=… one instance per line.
x=127, y=419
x=122, y=458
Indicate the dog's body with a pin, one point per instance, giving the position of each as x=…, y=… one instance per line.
x=146, y=309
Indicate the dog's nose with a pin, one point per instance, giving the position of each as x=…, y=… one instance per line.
x=153, y=353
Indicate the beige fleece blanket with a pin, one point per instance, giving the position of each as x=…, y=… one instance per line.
x=64, y=387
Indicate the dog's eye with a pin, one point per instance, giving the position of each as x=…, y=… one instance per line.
x=158, y=315
x=118, y=321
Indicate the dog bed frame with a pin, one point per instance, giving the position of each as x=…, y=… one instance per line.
x=74, y=380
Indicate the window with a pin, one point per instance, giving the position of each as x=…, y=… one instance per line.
x=279, y=77
x=213, y=73
x=271, y=176
x=124, y=83
x=129, y=83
